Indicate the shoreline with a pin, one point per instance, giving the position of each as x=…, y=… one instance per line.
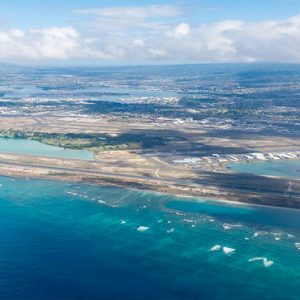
x=182, y=196
x=139, y=172
x=179, y=194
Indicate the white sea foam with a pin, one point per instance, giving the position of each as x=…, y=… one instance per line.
x=216, y=248
x=179, y=214
x=297, y=245
x=170, y=230
x=227, y=226
x=256, y=259
x=101, y=201
x=123, y=222
x=260, y=233
x=276, y=235
x=267, y=263
x=142, y=228
x=71, y=193
x=188, y=220
x=228, y=250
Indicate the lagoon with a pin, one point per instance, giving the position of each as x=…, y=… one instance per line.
x=30, y=147
x=284, y=168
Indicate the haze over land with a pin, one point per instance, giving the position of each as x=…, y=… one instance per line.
x=173, y=129
x=149, y=150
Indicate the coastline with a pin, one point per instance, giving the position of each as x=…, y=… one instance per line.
x=181, y=192
x=131, y=170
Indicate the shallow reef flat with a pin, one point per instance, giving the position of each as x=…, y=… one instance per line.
x=79, y=241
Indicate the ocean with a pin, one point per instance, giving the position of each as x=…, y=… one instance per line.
x=71, y=241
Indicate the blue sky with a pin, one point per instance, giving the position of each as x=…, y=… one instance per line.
x=90, y=31
x=36, y=13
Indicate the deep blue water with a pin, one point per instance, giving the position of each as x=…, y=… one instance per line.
x=70, y=241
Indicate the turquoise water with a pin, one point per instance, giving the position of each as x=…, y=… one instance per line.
x=285, y=168
x=20, y=146
x=70, y=241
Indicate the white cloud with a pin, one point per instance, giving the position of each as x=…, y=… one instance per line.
x=139, y=42
x=133, y=12
x=182, y=30
x=219, y=38
x=148, y=34
x=116, y=20
x=158, y=52
x=54, y=43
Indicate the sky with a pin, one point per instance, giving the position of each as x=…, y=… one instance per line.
x=112, y=32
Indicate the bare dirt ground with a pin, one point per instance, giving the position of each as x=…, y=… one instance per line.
x=153, y=168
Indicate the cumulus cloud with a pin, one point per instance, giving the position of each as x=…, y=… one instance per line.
x=54, y=43
x=139, y=42
x=219, y=38
x=153, y=34
x=183, y=29
x=158, y=52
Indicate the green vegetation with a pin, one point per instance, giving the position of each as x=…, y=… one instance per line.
x=88, y=141
x=60, y=174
